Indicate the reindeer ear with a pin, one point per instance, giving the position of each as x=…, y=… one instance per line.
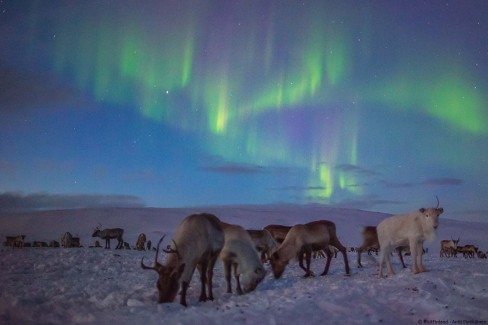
x=422, y=210
x=178, y=271
x=440, y=210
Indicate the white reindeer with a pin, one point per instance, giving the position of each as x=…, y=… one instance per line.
x=302, y=240
x=409, y=229
x=239, y=252
x=198, y=241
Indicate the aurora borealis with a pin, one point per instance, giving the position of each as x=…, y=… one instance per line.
x=377, y=105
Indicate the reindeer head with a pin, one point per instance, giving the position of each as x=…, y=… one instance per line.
x=277, y=265
x=432, y=215
x=96, y=230
x=168, y=281
x=251, y=280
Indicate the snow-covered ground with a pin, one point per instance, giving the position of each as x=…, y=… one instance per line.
x=98, y=286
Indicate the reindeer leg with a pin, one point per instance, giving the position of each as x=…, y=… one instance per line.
x=420, y=249
x=308, y=257
x=327, y=264
x=413, y=252
x=203, y=280
x=227, y=272
x=400, y=256
x=210, y=267
x=184, y=288
x=236, y=275
x=388, y=262
x=337, y=244
x=300, y=260
x=359, y=251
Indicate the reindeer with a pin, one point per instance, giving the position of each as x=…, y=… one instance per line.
x=481, y=254
x=301, y=240
x=197, y=242
x=141, y=242
x=110, y=233
x=239, y=252
x=409, y=229
x=69, y=241
x=54, y=244
x=468, y=250
x=265, y=243
x=448, y=248
x=278, y=232
x=39, y=243
x=15, y=241
x=149, y=245
x=371, y=242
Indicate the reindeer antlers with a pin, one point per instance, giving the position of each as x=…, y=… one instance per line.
x=155, y=267
x=437, y=201
x=170, y=250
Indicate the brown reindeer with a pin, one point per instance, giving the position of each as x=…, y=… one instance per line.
x=110, y=233
x=302, y=240
x=371, y=243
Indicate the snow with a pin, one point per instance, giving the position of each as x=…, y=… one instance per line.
x=99, y=286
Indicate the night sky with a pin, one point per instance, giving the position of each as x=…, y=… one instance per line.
x=374, y=105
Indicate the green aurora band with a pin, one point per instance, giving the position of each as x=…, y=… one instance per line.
x=191, y=77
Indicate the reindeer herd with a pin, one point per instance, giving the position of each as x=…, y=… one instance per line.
x=202, y=239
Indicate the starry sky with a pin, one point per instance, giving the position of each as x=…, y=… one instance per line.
x=374, y=105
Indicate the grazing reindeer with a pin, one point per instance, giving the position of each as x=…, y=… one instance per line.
x=449, y=248
x=141, y=242
x=409, y=229
x=239, y=252
x=110, y=233
x=302, y=240
x=265, y=243
x=197, y=242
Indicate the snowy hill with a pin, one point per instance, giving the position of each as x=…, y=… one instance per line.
x=98, y=286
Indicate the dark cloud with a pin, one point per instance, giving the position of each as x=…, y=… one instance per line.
x=356, y=169
x=22, y=90
x=17, y=202
x=369, y=203
x=442, y=181
x=235, y=169
x=297, y=188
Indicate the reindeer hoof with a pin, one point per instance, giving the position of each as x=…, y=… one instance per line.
x=202, y=299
